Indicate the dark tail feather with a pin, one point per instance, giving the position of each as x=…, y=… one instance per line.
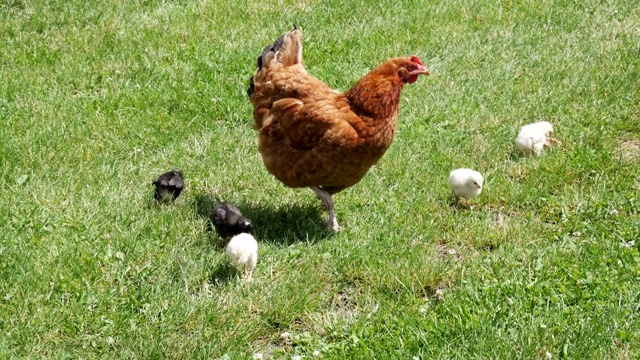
x=261, y=59
x=272, y=48
x=251, y=88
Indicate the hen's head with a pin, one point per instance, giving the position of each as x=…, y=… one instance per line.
x=403, y=69
x=409, y=68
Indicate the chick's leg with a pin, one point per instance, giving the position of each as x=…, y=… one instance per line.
x=456, y=199
x=253, y=260
x=327, y=204
x=551, y=140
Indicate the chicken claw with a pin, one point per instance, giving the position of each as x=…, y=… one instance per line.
x=332, y=223
x=246, y=275
x=327, y=205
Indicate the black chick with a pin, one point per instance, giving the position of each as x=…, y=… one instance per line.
x=168, y=186
x=229, y=221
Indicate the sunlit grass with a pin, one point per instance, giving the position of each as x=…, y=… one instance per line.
x=98, y=99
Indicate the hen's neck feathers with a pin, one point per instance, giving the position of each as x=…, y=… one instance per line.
x=376, y=96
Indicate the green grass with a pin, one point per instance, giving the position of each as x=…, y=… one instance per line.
x=99, y=98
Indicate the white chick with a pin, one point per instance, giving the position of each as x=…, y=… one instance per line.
x=534, y=137
x=243, y=250
x=465, y=183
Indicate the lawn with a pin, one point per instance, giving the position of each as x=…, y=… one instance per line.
x=98, y=98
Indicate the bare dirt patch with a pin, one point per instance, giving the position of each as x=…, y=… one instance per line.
x=629, y=149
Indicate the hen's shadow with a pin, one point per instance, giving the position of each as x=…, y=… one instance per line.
x=285, y=225
x=288, y=224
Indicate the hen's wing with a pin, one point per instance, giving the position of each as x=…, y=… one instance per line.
x=306, y=122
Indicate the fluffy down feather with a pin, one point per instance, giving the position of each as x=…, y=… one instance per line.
x=243, y=250
x=534, y=137
x=465, y=183
x=229, y=221
x=168, y=186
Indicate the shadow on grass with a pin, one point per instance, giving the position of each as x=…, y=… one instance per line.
x=203, y=205
x=455, y=203
x=281, y=226
x=515, y=156
x=224, y=274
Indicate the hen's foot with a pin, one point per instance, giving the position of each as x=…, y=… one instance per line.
x=332, y=223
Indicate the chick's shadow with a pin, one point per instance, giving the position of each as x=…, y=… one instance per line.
x=223, y=274
x=285, y=225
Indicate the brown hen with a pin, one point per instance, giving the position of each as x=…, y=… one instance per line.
x=314, y=136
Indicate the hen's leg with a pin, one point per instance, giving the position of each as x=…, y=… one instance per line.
x=327, y=204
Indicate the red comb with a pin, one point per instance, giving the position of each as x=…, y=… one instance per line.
x=416, y=60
